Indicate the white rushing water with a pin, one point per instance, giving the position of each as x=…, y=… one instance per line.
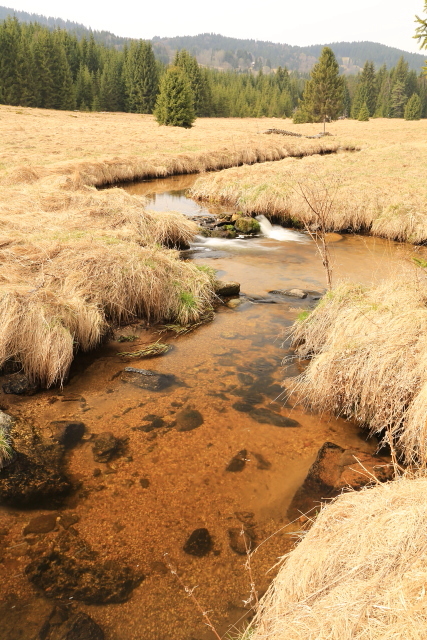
x=275, y=232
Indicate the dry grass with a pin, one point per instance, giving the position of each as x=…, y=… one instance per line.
x=368, y=350
x=382, y=188
x=359, y=573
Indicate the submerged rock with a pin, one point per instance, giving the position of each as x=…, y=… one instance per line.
x=41, y=524
x=227, y=289
x=334, y=469
x=199, y=543
x=293, y=293
x=68, y=568
x=188, y=419
x=266, y=416
x=67, y=433
x=146, y=379
x=227, y=232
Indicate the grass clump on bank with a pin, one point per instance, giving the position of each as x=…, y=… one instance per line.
x=368, y=350
x=360, y=572
x=58, y=296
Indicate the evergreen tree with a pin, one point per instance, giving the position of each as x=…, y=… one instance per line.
x=198, y=81
x=398, y=99
x=366, y=92
x=141, y=77
x=413, y=108
x=323, y=93
x=363, y=113
x=175, y=102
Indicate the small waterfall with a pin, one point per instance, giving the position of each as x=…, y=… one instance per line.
x=275, y=232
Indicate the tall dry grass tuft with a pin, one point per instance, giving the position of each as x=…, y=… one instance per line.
x=63, y=293
x=359, y=573
x=368, y=350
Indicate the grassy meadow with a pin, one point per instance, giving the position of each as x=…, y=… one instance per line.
x=76, y=260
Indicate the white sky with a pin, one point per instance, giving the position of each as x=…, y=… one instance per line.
x=293, y=22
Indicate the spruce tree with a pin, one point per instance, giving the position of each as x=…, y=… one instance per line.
x=366, y=91
x=141, y=77
x=413, y=108
x=175, y=102
x=363, y=113
x=398, y=99
x=323, y=93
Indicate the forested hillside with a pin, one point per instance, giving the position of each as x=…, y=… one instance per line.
x=220, y=52
x=55, y=69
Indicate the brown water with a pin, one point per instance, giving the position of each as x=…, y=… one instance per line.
x=235, y=357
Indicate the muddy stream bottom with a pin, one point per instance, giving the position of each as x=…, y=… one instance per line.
x=167, y=482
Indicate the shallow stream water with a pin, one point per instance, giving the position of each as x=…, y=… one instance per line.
x=146, y=503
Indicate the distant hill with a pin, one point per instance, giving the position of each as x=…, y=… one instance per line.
x=219, y=51
x=214, y=50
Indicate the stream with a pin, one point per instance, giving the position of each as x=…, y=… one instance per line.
x=144, y=505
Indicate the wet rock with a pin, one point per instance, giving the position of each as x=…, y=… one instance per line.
x=105, y=447
x=159, y=567
x=41, y=524
x=227, y=289
x=237, y=462
x=188, y=419
x=293, y=293
x=333, y=237
x=18, y=384
x=144, y=482
x=262, y=463
x=68, y=568
x=242, y=540
x=35, y=477
x=67, y=433
x=199, y=543
x=146, y=379
x=266, y=416
x=247, y=225
x=334, y=469
x=227, y=231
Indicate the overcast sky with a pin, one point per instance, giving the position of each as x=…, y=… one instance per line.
x=294, y=22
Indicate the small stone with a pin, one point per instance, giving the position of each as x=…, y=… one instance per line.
x=199, y=543
x=234, y=303
x=227, y=289
x=96, y=472
x=188, y=419
x=242, y=541
x=293, y=293
x=144, y=482
x=237, y=462
x=159, y=568
x=41, y=524
x=146, y=379
x=105, y=447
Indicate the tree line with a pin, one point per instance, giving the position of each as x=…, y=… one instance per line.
x=57, y=70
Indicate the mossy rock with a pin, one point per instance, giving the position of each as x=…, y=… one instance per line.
x=205, y=232
x=247, y=226
x=224, y=233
